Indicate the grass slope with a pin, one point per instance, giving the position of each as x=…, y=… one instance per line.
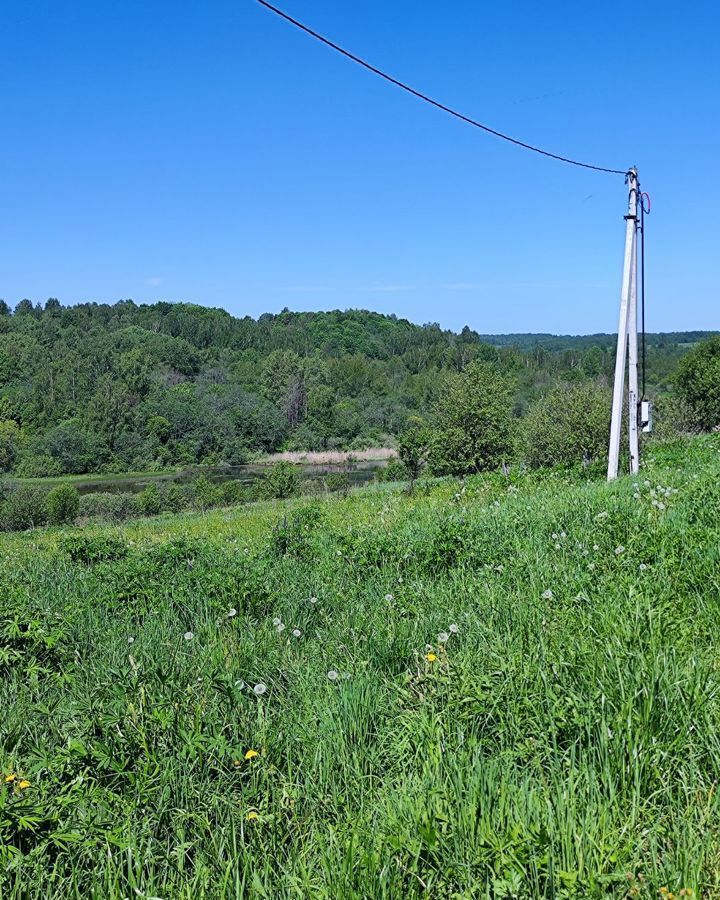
x=564, y=743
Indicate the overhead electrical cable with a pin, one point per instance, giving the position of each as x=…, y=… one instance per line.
x=435, y=103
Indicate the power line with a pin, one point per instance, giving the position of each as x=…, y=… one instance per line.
x=435, y=103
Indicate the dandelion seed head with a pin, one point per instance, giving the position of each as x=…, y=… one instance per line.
x=259, y=689
x=131, y=640
x=188, y=635
x=389, y=598
x=547, y=595
x=232, y=613
x=280, y=627
x=619, y=549
x=313, y=600
x=277, y=621
x=443, y=637
x=453, y=629
x=296, y=632
x=332, y=675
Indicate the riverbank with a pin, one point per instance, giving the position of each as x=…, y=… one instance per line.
x=329, y=457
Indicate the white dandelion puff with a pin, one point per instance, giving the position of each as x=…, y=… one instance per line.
x=188, y=635
x=131, y=640
x=547, y=595
x=443, y=637
x=619, y=549
x=389, y=598
x=313, y=600
x=259, y=689
x=296, y=632
x=453, y=629
x=277, y=621
x=332, y=675
x=232, y=613
x=280, y=627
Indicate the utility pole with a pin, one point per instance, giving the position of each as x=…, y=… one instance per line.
x=626, y=323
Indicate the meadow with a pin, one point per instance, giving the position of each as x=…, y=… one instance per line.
x=491, y=688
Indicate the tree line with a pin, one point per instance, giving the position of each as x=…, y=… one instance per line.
x=127, y=387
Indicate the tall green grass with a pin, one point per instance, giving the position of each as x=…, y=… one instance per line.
x=564, y=743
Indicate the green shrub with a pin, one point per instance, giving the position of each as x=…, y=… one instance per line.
x=38, y=467
x=697, y=382
x=108, y=507
x=63, y=503
x=395, y=470
x=280, y=482
x=473, y=427
x=206, y=494
x=174, y=498
x=24, y=507
x=150, y=501
x=569, y=425
x=338, y=481
x=90, y=550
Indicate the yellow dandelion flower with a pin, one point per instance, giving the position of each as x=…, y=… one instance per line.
x=251, y=754
x=24, y=784
x=430, y=657
x=251, y=816
x=11, y=777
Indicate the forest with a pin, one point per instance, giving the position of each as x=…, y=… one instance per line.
x=127, y=387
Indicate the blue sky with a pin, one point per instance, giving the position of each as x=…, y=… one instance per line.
x=209, y=152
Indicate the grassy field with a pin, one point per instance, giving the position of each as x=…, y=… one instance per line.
x=483, y=691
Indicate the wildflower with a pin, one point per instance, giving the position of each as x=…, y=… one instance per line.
x=557, y=546
x=251, y=816
x=188, y=635
x=11, y=777
x=279, y=628
x=23, y=784
x=332, y=675
x=313, y=600
x=547, y=595
x=131, y=640
x=642, y=567
x=661, y=505
x=296, y=632
x=251, y=754
x=563, y=535
x=430, y=657
x=554, y=535
x=443, y=637
x=596, y=546
x=276, y=621
x=453, y=629
x=259, y=689
x=389, y=598
x=232, y=613
x=619, y=549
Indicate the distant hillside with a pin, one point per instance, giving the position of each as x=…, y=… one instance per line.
x=99, y=387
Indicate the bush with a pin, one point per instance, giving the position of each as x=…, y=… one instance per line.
x=338, y=481
x=63, y=503
x=90, y=550
x=174, y=498
x=149, y=501
x=38, y=467
x=395, y=470
x=206, y=494
x=280, y=482
x=568, y=425
x=697, y=382
x=473, y=424
x=24, y=507
x=108, y=507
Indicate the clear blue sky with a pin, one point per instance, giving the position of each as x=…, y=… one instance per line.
x=209, y=152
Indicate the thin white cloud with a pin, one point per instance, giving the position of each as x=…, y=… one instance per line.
x=154, y=281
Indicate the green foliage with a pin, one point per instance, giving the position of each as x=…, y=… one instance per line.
x=697, y=382
x=206, y=494
x=92, y=550
x=63, y=504
x=38, y=467
x=571, y=424
x=394, y=471
x=280, y=482
x=110, y=507
x=150, y=501
x=414, y=448
x=338, y=482
x=473, y=426
x=10, y=437
x=24, y=507
x=100, y=388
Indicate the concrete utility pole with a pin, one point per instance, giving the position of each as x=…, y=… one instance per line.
x=627, y=326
